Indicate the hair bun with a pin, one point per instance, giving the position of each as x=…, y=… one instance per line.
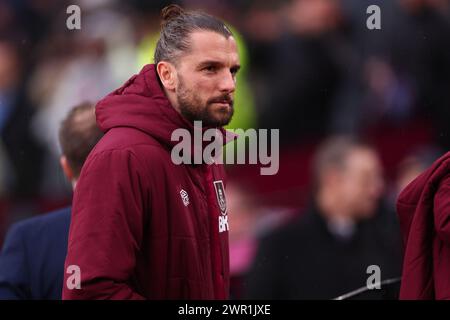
x=171, y=12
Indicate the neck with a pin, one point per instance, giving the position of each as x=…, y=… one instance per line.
x=338, y=220
x=172, y=99
x=332, y=208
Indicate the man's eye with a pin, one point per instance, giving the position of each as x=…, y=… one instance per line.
x=210, y=69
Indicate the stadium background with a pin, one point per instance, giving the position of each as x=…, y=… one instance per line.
x=311, y=68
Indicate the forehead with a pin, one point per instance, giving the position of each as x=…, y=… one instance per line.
x=363, y=159
x=208, y=45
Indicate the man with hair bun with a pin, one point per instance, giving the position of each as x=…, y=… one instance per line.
x=142, y=226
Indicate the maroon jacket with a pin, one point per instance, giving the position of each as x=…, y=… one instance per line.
x=424, y=212
x=143, y=227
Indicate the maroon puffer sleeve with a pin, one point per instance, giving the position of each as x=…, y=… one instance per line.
x=106, y=227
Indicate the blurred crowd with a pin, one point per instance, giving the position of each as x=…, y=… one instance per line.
x=311, y=68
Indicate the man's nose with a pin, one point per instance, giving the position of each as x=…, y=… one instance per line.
x=228, y=83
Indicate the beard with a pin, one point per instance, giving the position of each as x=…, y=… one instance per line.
x=211, y=114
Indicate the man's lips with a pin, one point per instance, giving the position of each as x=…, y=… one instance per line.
x=225, y=102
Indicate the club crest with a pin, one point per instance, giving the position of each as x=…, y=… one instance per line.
x=220, y=194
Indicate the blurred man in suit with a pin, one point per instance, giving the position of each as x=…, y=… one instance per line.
x=327, y=252
x=32, y=259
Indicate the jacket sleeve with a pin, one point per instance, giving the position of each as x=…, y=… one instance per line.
x=106, y=228
x=14, y=279
x=442, y=210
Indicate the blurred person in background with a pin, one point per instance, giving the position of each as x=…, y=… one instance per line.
x=261, y=24
x=79, y=65
x=32, y=258
x=417, y=75
x=308, y=67
x=421, y=53
x=250, y=220
x=326, y=252
x=23, y=152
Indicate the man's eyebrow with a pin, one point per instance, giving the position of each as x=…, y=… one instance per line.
x=216, y=63
x=210, y=62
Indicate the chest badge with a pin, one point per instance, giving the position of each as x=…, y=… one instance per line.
x=220, y=194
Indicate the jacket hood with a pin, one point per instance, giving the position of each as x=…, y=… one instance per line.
x=142, y=104
x=415, y=208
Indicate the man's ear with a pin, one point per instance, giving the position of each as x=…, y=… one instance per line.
x=68, y=172
x=167, y=74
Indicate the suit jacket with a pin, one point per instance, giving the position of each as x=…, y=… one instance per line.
x=32, y=258
x=304, y=260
